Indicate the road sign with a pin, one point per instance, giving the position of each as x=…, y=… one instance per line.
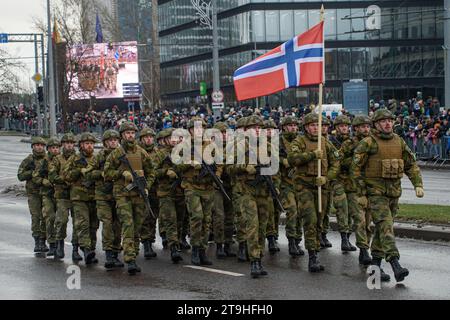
x=219, y=105
x=3, y=38
x=132, y=91
x=203, y=88
x=37, y=77
x=217, y=96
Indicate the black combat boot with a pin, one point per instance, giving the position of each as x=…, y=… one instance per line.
x=299, y=249
x=117, y=262
x=75, y=255
x=52, y=251
x=255, y=271
x=364, y=257
x=276, y=243
x=133, y=268
x=195, y=258
x=43, y=246
x=109, y=263
x=293, y=248
x=175, y=253
x=37, y=244
x=88, y=255
x=272, y=245
x=325, y=240
x=227, y=250
x=148, y=250
x=94, y=259
x=352, y=247
x=384, y=276
x=184, y=244
x=313, y=264
x=165, y=242
x=211, y=237
x=345, y=245
x=220, y=253
x=241, y=254
x=261, y=268
x=59, y=249
x=400, y=273
x=204, y=258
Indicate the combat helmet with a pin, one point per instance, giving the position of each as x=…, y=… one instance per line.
x=222, y=126
x=270, y=124
x=146, y=132
x=53, y=142
x=288, y=120
x=87, y=136
x=109, y=134
x=127, y=126
x=310, y=118
x=164, y=133
x=38, y=140
x=193, y=120
x=342, y=120
x=360, y=120
x=382, y=114
x=240, y=123
x=68, y=137
x=326, y=121
x=254, y=120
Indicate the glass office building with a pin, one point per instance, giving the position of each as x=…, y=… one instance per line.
x=405, y=56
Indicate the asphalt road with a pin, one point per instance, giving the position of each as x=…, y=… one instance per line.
x=24, y=275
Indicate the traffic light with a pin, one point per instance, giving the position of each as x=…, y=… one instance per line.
x=40, y=93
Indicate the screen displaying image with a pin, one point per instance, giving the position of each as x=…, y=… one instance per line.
x=100, y=69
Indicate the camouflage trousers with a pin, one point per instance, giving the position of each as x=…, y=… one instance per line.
x=256, y=210
x=273, y=222
x=199, y=205
x=131, y=213
x=148, y=230
x=63, y=207
x=307, y=200
x=239, y=218
x=383, y=210
x=111, y=228
x=222, y=219
x=358, y=210
x=339, y=201
x=294, y=224
x=38, y=228
x=86, y=223
x=49, y=214
x=172, y=212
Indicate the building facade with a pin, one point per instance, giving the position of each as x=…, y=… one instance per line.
x=404, y=56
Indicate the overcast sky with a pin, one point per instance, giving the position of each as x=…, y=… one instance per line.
x=16, y=17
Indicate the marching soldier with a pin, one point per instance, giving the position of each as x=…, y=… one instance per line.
x=199, y=191
x=338, y=196
x=82, y=195
x=288, y=197
x=105, y=204
x=146, y=141
x=172, y=207
x=357, y=194
x=40, y=178
x=304, y=155
x=130, y=205
x=25, y=173
x=62, y=196
x=380, y=161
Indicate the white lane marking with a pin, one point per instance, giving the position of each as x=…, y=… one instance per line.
x=228, y=273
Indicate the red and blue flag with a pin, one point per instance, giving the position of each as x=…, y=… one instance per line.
x=297, y=62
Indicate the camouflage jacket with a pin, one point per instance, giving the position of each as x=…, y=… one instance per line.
x=40, y=176
x=62, y=189
x=379, y=186
x=81, y=189
x=287, y=173
x=25, y=172
x=152, y=151
x=114, y=170
x=162, y=163
x=103, y=190
x=347, y=151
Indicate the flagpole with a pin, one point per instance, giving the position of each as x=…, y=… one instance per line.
x=319, y=162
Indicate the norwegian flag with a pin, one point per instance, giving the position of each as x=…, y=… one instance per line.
x=297, y=62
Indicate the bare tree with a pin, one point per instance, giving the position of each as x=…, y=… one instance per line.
x=9, y=70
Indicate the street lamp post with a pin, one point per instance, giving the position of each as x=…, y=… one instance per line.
x=446, y=51
x=51, y=83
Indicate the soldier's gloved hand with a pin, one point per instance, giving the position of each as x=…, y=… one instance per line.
x=250, y=169
x=127, y=176
x=278, y=191
x=286, y=163
x=319, y=154
x=146, y=192
x=320, y=181
x=84, y=171
x=197, y=166
x=140, y=173
x=420, y=192
x=46, y=183
x=171, y=174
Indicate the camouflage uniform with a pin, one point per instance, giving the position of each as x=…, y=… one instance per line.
x=130, y=206
x=82, y=195
x=106, y=205
x=302, y=156
x=47, y=191
x=63, y=203
x=381, y=160
x=25, y=173
x=149, y=225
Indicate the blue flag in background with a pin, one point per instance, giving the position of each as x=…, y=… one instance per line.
x=98, y=29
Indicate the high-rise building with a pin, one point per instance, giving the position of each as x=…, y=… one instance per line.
x=404, y=56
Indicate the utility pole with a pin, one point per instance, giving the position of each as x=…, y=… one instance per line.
x=38, y=105
x=446, y=51
x=156, y=67
x=51, y=74
x=216, y=70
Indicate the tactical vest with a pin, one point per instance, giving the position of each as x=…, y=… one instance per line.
x=311, y=168
x=387, y=163
x=135, y=159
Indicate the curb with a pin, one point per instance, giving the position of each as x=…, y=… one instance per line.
x=407, y=230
